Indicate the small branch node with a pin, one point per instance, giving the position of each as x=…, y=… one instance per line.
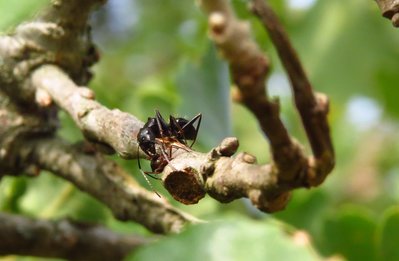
x=228, y=146
x=323, y=103
x=87, y=93
x=217, y=23
x=247, y=158
x=43, y=98
x=236, y=95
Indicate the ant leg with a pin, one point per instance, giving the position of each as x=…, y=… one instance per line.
x=162, y=125
x=173, y=122
x=191, y=122
x=144, y=174
x=167, y=159
x=149, y=183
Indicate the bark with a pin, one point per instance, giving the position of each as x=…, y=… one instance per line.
x=226, y=178
x=105, y=180
x=43, y=64
x=63, y=239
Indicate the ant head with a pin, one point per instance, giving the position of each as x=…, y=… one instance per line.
x=146, y=139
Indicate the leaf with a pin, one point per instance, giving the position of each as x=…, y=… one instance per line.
x=48, y=196
x=12, y=12
x=12, y=190
x=342, y=55
x=205, y=88
x=350, y=232
x=388, y=235
x=228, y=240
x=305, y=209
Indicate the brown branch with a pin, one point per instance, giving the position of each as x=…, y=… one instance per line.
x=390, y=10
x=106, y=181
x=226, y=178
x=114, y=128
x=63, y=239
x=61, y=36
x=192, y=174
x=249, y=68
x=313, y=109
x=29, y=88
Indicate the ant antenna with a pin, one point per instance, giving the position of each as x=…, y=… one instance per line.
x=144, y=175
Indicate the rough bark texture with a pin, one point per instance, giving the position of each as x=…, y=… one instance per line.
x=107, y=182
x=112, y=128
x=42, y=66
x=63, y=239
x=226, y=178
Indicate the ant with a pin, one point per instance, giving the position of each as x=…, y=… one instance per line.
x=175, y=134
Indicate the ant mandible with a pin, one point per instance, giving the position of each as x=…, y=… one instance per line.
x=168, y=136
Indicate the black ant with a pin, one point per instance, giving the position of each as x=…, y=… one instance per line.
x=167, y=136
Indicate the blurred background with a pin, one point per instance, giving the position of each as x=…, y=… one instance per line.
x=156, y=55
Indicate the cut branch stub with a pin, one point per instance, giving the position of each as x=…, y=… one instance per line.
x=190, y=175
x=184, y=186
x=182, y=178
x=390, y=10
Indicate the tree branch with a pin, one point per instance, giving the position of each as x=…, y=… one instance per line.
x=226, y=178
x=29, y=88
x=249, y=68
x=63, y=239
x=107, y=182
x=313, y=109
x=110, y=127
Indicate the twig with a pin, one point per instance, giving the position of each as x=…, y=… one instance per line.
x=226, y=178
x=106, y=181
x=249, y=68
x=63, y=239
x=114, y=128
x=313, y=109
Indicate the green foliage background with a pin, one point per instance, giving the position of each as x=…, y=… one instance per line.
x=156, y=55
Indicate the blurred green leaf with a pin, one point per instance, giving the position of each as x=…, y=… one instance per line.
x=386, y=78
x=388, y=235
x=205, y=88
x=230, y=240
x=311, y=205
x=48, y=196
x=13, y=12
x=340, y=51
x=350, y=232
x=12, y=190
